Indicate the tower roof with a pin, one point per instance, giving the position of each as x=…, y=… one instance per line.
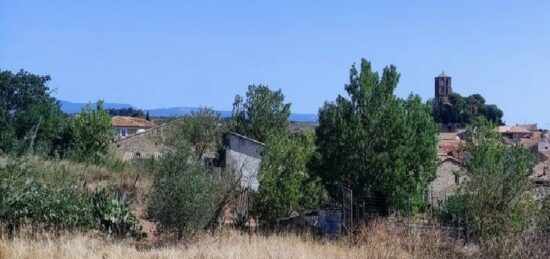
x=442, y=74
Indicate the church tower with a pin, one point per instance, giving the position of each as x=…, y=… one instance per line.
x=443, y=89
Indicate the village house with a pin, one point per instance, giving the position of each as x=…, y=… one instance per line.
x=126, y=126
x=516, y=133
x=145, y=144
x=544, y=146
x=448, y=178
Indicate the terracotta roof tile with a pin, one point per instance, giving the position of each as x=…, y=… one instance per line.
x=123, y=121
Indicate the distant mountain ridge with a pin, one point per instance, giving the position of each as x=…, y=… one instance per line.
x=71, y=108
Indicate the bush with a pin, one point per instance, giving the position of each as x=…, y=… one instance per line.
x=498, y=193
x=90, y=134
x=452, y=209
x=184, y=196
x=285, y=184
x=543, y=219
x=29, y=194
x=26, y=199
x=114, y=215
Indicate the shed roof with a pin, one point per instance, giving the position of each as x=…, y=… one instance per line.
x=245, y=137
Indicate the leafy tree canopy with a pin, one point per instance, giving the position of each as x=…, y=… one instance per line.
x=131, y=112
x=30, y=118
x=463, y=110
x=285, y=183
x=263, y=113
x=497, y=192
x=374, y=141
x=202, y=131
x=91, y=133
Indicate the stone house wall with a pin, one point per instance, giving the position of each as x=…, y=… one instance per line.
x=446, y=182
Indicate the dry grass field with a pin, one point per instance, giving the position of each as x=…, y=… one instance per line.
x=377, y=241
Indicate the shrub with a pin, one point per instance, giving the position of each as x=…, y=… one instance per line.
x=90, y=134
x=498, y=193
x=29, y=194
x=25, y=198
x=114, y=215
x=452, y=208
x=543, y=219
x=184, y=196
x=285, y=184
x=203, y=131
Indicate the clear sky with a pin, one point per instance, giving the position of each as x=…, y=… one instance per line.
x=154, y=54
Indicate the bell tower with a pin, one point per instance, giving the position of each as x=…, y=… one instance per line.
x=443, y=89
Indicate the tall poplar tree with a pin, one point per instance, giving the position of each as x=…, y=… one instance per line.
x=376, y=142
x=263, y=113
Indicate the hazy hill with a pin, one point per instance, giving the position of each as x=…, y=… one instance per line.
x=70, y=107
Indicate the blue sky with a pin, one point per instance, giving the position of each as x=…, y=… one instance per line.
x=189, y=53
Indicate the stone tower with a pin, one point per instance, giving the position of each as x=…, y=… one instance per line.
x=443, y=89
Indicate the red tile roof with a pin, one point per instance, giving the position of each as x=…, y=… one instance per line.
x=123, y=121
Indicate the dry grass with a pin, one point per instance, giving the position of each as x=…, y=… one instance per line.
x=378, y=241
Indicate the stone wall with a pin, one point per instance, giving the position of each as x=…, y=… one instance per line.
x=445, y=183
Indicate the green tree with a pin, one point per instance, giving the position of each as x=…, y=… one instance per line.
x=376, y=142
x=184, y=196
x=28, y=113
x=202, y=130
x=130, y=111
x=498, y=199
x=262, y=114
x=285, y=184
x=7, y=133
x=91, y=131
x=464, y=110
x=40, y=128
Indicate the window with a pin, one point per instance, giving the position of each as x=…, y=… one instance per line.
x=122, y=132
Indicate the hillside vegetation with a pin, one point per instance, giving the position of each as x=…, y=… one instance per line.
x=64, y=194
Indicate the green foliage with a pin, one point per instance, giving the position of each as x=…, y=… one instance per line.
x=90, y=133
x=543, y=217
x=30, y=194
x=114, y=215
x=463, y=110
x=25, y=198
x=131, y=112
x=7, y=134
x=262, y=114
x=285, y=185
x=376, y=142
x=184, y=196
x=203, y=131
x=498, y=192
x=452, y=209
x=30, y=119
x=39, y=128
